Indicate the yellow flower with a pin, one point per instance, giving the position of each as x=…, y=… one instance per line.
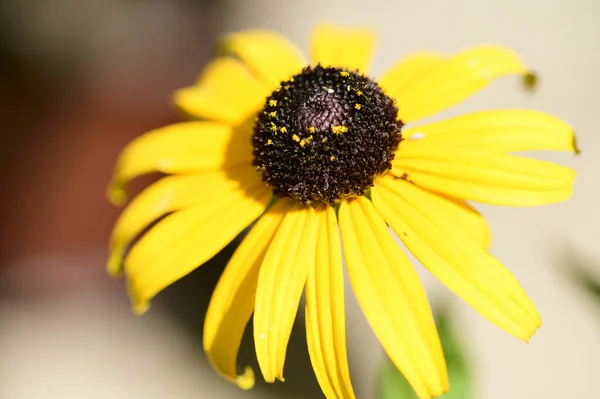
x=326, y=140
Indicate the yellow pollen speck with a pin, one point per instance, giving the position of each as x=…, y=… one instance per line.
x=312, y=129
x=339, y=129
x=302, y=143
x=273, y=127
x=324, y=140
x=273, y=103
x=273, y=114
x=359, y=93
x=309, y=139
x=269, y=142
x=344, y=73
x=357, y=106
x=331, y=158
x=283, y=130
x=286, y=87
x=296, y=138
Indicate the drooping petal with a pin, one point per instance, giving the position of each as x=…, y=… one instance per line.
x=392, y=298
x=170, y=194
x=325, y=311
x=485, y=176
x=455, y=258
x=281, y=280
x=271, y=57
x=407, y=70
x=184, y=147
x=342, y=47
x=186, y=239
x=499, y=130
x=455, y=80
x=226, y=91
x=232, y=301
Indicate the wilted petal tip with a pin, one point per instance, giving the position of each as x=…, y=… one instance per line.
x=530, y=81
x=575, y=147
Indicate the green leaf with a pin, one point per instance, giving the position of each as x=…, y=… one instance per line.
x=393, y=385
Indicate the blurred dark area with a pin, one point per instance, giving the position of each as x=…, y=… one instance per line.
x=78, y=81
x=582, y=271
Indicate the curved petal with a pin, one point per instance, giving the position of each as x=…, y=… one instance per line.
x=280, y=283
x=392, y=298
x=271, y=57
x=457, y=214
x=455, y=258
x=184, y=240
x=485, y=176
x=499, y=130
x=226, y=91
x=411, y=68
x=170, y=194
x=232, y=301
x=456, y=79
x=325, y=311
x=180, y=148
x=335, y=46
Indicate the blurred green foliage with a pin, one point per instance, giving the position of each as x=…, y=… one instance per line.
x=579, y=270
x=393, y=385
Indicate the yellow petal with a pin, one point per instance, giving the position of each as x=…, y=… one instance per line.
x=226, y=91
x=456, y=79
x=281, y=280
x=181, y=148
x=409, y=69
x=459, y=214
x=186, y=239
x=456, y=214
x=485, y=176
x=232, y=302
x=335, y=46
x=499, y=130
x=170, y=194
x=392, y=298
x=271, y=57
x=325, y=313
x=455, y=258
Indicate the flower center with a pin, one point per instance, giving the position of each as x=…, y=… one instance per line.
x=324, y=135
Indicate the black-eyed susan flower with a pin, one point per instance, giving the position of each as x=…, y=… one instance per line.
x=316, y=156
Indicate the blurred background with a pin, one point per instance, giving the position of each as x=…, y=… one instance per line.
x=81, y=78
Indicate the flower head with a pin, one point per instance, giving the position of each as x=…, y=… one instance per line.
x=314, y=154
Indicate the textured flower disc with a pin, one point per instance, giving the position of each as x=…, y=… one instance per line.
x=325, y=134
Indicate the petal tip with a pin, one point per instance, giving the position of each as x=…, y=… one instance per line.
x=114, y=265
x=245, y=381
x=178, y=97
x=529, y=335
x=140, y=307
x=116, y=193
